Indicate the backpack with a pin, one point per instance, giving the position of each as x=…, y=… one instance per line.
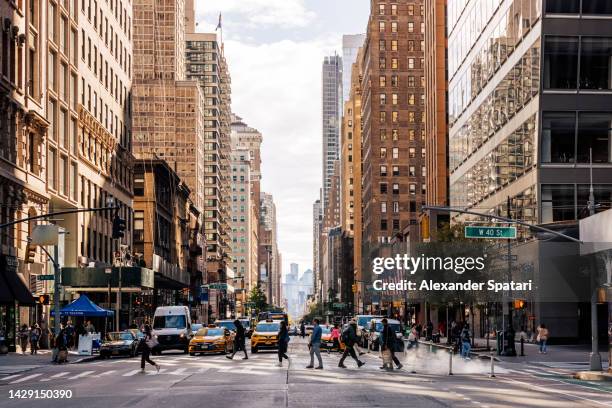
x=346, y=337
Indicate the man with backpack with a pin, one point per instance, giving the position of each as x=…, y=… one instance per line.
x=388, y=344
x=349, y=338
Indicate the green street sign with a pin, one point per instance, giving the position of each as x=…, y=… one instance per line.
x=249, y=304
x=221, y=286
x=338, y=305
x=480, y=232
x=46, y=277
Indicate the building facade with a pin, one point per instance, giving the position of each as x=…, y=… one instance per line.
x=332, y=113
x=527, y=107
x=351, y=43
x=393, y=121
x=269, y=256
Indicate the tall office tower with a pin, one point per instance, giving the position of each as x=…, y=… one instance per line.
x=528, y=104
x=436, y=88
x=350, y=47
x=393, y=115
x=240, y=212
x=351, y=211
x=332, y=111
x=89, y=147
x=269, y=256
x=247, y=137
x=168, y=118
x=317, y=218
x=206, y=63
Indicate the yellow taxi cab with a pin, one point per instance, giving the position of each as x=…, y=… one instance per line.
x=265, y=335
x=212, y=340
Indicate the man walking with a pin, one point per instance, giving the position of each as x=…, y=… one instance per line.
x=466, y=345
x=239, y=341
x=349, y=338
x=302, y=329
x=388, y=341
x=315, y=345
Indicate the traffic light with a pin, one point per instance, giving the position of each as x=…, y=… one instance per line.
x=43, y=299
x=30, y=253
x=118, y=227
x=519, y=304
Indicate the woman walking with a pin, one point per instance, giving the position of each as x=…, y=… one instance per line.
x=542, y=338
x=34, y=338
x=283, y=343
x=23, y=338
x=239, y=341
x=335, y=336
x=148, y=343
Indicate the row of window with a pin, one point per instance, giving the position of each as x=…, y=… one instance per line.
x=395, y=99
x=395, y=188
x=590, y=7
x=95, y=15
x=412, y=117
x=382, y=63
x=395, y=171
x=395, y=152
x=382, y=82
x=382, y=27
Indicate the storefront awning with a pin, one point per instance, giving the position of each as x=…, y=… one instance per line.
x=12, y=287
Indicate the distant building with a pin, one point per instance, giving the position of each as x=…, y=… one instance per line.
x=350, y=47
x=332, y=112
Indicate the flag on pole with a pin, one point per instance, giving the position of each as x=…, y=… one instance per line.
x=219, y=26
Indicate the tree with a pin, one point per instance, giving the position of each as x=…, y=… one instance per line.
x=258, y=298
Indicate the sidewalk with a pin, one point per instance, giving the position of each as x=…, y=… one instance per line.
x=14, y=363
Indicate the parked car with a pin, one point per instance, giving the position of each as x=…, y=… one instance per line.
x=123, y=343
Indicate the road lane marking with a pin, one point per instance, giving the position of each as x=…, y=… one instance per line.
x=109, y=372
x=53, y=377
x=178, y=371
x=130, y=373
x=10, y=377
x=161, y=371
x=29, y=377
x=81, y=375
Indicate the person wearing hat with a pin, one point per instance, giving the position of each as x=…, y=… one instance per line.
x=349, y=338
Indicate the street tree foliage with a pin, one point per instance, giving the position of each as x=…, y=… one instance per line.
x=258, y=298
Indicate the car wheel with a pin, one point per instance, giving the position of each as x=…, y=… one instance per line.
x=186, y=350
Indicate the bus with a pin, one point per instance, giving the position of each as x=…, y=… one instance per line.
x=273, y=315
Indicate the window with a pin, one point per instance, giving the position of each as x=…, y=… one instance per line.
x=74, y=176
x=558, y=135
x=394, y=80
x=394, y=99
x=383, y=225
x=381, y=9
x=382, y=45
x=383, y=171
x=383, y=207
x=395, y=135
x=412, y=152
x=396, y=171
x=595, y=63
x=394, y=27
x=411, y=27
x=410, y=99
x=383, y=117
x=396, y=207
x=396, y=225
x=558, y=203
x=62, y=128
x=393, y=45
x=412, y=188
x=396, y=153
x=395, y=116
x=62, y=175
x=51, y=118
x=383, y=188
x=396, y=189
x=383, y=152
x=410, y=64
x=563, y=6
x=411, y=9
x=560, y=62
x=594, y=133
x=51, y=21
x=382, y=81
x=383, y=99
x=51, y=157
x=382, y=63
x=51, y=70
x=394, y=63
x=594, y=6
x=423, y=188
x=411, y=81
x=394, y=9
x=381, y=26
x=412, y=171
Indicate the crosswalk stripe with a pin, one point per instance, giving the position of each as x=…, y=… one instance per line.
x=130, y=373
x=109, y=372
x=155, y=372
x=81, y=375
x=178, y=371
x=10, y=377
x=29, y=377
x=55, y=376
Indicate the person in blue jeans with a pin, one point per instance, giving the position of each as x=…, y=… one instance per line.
x=466, y=344
x=542, y=338
x=315, y=345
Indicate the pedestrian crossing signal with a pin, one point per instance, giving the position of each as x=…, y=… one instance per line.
x=119, y=226
x=43, y=299
x=30, y=253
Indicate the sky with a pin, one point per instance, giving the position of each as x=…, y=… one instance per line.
x=275, y=49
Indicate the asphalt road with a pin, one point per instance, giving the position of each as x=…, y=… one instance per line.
x=214, y=381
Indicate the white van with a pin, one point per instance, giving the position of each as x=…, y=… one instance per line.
x=172, y=328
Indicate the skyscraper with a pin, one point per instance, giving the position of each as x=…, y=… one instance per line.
x=332, y=111
x=350, y=47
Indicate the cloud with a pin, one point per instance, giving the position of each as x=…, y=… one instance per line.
x=276, y=88
x=259, y=13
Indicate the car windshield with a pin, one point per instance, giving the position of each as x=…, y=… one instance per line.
x=326, y=330
x=209, y=332
x=227, y=325
x=120, y=336
x=268, y=327
x=169, y=322
x=394, y=326
x=245, y=323
x=364, y=320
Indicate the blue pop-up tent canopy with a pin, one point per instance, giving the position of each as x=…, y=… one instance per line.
x=83, y=306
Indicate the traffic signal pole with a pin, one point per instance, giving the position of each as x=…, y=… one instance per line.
x=56, y=289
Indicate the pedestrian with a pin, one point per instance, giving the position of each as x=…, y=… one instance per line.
x=23, y=335
x=60, y=343
x=239, y=340
x=335, y=336
x=542, y=337
x=148, y=343
x=429, y=331
x=371, y=336
x=388, y=344
x=69, y=332
x=302, y=329
x=466, y=344
x=90, y=328
x=283, y=343
x=419, y=329
x=35, y=334
x=314, y=345
x=349, y=338
x=412, y=338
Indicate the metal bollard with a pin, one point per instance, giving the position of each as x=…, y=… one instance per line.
x=492, y=374
x=450, y=362
x=522, y=346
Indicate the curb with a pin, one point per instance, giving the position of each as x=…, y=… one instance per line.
x=85, y=359
x=593, y=376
